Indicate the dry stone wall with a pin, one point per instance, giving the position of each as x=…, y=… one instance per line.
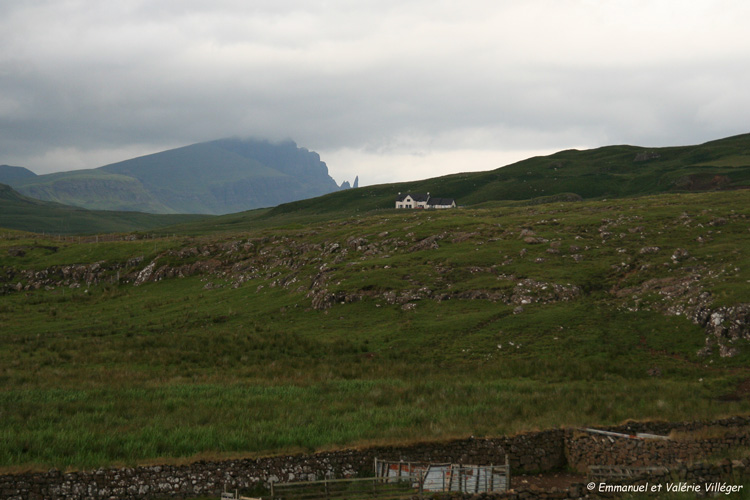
x=527, y=453
x=584, y=449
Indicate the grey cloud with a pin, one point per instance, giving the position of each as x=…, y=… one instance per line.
x=384, y=77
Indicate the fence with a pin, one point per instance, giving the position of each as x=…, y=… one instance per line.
x=228, y=495
x=449, y=477
x=617, y=473
x=366, y=488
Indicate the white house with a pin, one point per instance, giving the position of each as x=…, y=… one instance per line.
x=415, y=200
x=412, y=200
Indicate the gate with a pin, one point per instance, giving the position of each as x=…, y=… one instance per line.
x=366, y=488
x=449, y=477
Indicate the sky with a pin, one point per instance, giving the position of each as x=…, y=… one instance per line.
x=389, y=90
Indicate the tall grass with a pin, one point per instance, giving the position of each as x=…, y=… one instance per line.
x=88, y=428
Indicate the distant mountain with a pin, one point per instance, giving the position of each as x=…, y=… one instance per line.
x=217, y=177
x=28, y=214
x=9, y=175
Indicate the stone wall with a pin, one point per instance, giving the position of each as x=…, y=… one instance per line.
x=583, y=449
x=530, y=452
x=664, y=428
x=527, y=453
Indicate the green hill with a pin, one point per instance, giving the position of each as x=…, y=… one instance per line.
x=607, y=172
x=215, y=177
x=29, y=214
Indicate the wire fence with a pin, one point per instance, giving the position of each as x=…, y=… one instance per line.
x=349, y=489
x=449, y=477
x=395, y=480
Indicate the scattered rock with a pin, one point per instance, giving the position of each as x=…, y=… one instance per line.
x=680, y=254
x=647, y=250
x=646, y=156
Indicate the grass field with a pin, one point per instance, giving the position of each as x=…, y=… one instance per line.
x=390, y=327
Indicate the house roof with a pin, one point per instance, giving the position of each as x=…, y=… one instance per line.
x=414, y=196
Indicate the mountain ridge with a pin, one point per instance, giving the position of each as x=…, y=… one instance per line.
x=215, y=177
x=9, y=174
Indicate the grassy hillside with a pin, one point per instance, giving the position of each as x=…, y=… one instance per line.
x=395, y=326
x=29, y=214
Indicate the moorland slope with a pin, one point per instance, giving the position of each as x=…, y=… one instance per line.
x=390, y=327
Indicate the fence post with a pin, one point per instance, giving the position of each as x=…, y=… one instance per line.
x=507, y=473
x=421, y=484
x=272, y=496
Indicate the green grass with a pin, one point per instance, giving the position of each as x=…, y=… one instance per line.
x=234, y=360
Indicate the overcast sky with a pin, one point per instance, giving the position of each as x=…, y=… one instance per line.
x=385, y=89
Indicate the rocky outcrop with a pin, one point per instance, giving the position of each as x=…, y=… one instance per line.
x=646, y=156
x=684, y=296
x=320, y=271
x=725, y=326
